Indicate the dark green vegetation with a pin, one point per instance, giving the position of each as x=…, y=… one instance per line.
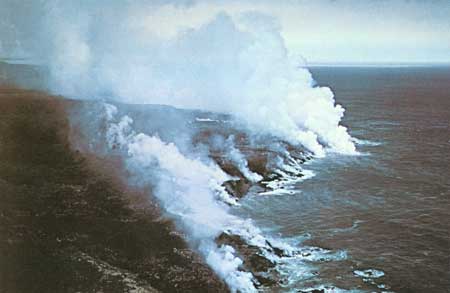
x=68, y=225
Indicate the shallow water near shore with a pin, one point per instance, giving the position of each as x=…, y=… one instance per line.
x=385, y=211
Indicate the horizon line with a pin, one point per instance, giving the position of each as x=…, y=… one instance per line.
x=377, y=64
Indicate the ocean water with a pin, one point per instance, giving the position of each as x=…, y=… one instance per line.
x=383, y=216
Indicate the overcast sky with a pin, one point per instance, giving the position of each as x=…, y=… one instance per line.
x=340, y=31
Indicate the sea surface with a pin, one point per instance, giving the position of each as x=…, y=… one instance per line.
x=383, y=214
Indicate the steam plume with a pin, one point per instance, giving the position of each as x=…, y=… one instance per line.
x=236, y=65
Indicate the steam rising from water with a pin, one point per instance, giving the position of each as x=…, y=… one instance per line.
x=234, y=65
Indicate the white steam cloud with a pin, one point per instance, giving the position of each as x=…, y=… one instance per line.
x=240, y=161
x=236, y=65
x=190, y=192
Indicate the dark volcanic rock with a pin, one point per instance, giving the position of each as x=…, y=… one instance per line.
x=259, y=163
x=67, y=224
x=237, y=188
x=279, y=252
x=254, y=261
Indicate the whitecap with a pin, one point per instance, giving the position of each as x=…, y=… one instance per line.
x=369, y=273
x=365, y=142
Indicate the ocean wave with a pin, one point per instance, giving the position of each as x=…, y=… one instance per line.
x=369, y=273
x=366, y=142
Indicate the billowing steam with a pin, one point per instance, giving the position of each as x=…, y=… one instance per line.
x=240, y=161
x=190, y=191
x=236, y=65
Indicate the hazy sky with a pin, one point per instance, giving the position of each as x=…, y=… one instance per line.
x=368, y=31
x=339, y=31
